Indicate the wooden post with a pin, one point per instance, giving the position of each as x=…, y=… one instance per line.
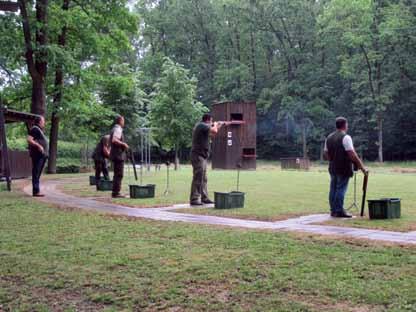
x=3, y=141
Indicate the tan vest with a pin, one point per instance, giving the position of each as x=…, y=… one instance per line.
x=117, y=153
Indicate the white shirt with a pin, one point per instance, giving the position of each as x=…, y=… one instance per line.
x=118, y=132
x=346, y=142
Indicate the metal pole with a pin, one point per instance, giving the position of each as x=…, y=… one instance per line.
x=148, y=150
x=5, y=152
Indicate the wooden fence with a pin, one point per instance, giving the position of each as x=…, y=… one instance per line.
x=20, y=164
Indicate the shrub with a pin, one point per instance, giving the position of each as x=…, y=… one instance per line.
x=65, y=149
x=68, y=165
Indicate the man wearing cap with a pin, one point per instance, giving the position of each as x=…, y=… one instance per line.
x=340, y=152
x=118, y=154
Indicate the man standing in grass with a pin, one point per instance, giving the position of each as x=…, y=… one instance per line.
x=100, y=156
x=118, y=154
x=339, y=150
x=38, y=150
x=199, y=155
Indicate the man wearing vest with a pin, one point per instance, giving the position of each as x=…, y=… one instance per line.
x=118, y=154
x=100, y=156
x=199, y=155
x=339, y=150
x=38, y=151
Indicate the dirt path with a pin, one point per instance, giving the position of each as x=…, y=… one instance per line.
x=305, y=224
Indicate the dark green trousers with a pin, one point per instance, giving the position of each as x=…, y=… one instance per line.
x=118, y=176
x=199, y=189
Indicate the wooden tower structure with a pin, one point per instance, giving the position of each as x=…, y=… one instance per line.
x=235, y=144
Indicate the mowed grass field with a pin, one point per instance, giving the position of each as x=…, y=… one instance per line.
x=67, y=260
x=273, y=194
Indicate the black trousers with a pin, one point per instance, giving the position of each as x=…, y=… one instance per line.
x=38, y=163
x=118, y=176
x=101, y=166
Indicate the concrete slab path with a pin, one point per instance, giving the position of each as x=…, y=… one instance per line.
x=305, y=224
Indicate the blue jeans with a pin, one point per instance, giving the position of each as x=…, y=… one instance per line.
x=338, y=188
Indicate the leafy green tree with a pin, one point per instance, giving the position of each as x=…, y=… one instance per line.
x=367, y=28
x=174, y=108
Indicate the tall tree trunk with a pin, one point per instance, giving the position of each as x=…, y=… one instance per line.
x=238, y=47
x=253, y=62
x=176, y=158
x=380, y=138
x=41, y=63
x=57, y=101
x=36, y=61
x=321, y=152
x=304, y=145
x=38, y=95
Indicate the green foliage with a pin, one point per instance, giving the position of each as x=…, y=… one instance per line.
x=304, y=62
x=174, y=108
x=66, y=149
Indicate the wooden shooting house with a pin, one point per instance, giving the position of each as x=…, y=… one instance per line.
x=235, y=144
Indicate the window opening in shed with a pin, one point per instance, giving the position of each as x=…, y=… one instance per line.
x=249, y=152
x=236, y=117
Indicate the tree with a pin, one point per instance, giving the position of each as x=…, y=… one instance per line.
x=36, y=51
x=83, y=38
x=174, y=109
x=366, y=28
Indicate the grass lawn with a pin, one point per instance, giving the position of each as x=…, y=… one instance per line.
x=63, y=260
x=272, y=194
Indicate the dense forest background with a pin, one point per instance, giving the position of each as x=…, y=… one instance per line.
x=163, y=62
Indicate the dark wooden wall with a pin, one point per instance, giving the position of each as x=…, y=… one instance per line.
x=20, y=164
x=242, y=151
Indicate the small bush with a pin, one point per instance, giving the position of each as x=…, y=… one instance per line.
x=68, y=165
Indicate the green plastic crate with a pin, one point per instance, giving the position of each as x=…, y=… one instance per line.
x=92, y=180
x=229, y=200
x=384, y=208
x=142, y=191
x=105, y=185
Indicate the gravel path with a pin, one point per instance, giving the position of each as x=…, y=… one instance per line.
x=305, y=224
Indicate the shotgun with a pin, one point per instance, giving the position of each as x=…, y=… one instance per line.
x=365, y=183
x=131, y=155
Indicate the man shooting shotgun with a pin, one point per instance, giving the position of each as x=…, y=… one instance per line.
x=202, y=132
x=340, y=152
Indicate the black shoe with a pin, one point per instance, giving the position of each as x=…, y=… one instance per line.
x=118, y=196
x=196, y=203
x=207, y=201
x=341, y=214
